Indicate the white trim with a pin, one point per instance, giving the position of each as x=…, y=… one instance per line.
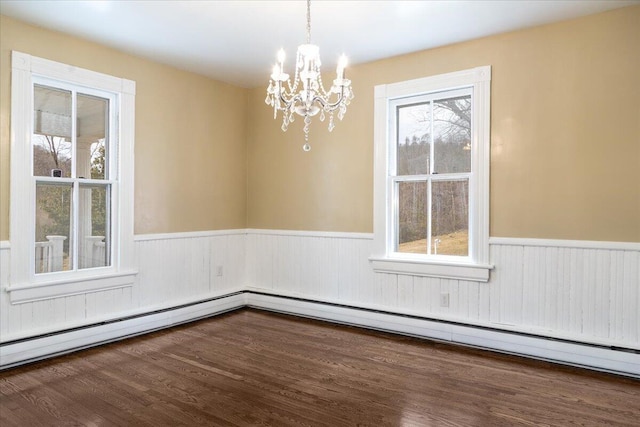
x=576, y=354
x=331, y=234
x=253, y=231
x=14, y=354
x=77, y=75
x=21, y=201
x=27, y=69
x=460, y=271
x=5, y=245
x=106, y=318
x=30, y=292
x=581, y=244
x=440, y=318
x=511, y=241
x=188, y=235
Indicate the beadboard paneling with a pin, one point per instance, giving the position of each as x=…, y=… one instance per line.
x=5, y=253
x=174, y=269
x=570, y=290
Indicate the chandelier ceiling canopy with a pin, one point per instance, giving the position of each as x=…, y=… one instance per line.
x=306, y=95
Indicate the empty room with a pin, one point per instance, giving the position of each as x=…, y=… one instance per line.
x=319, y=213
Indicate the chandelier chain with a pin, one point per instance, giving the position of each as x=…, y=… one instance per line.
x=308, y=21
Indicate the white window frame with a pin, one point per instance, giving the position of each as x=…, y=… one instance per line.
x=385, y=258
x=24, y=284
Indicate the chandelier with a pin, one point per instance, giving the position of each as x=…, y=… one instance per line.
x=307, y=95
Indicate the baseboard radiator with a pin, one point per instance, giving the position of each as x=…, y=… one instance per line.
x=27, y=350
x=617, y=360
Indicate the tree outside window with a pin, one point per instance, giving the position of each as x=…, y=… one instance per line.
x=431, y=181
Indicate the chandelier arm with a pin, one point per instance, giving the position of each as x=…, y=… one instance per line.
x=289, y=102
x=282, y=97
x=330, y=106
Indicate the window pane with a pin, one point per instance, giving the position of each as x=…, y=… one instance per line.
x=93, y=226
x=51, y=137
x=54, y=214
x=450, y=218
x=452, y=135
x=413, y=144
x=93, y=124
x=412, y=217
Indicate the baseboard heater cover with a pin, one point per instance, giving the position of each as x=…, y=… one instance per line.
x=612, y=360
x=617, y=361
x=28, y=350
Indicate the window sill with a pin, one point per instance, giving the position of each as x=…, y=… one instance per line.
x=444, y=270
x=22, y=293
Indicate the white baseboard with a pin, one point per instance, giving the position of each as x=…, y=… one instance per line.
x=589, y=356
x=30, y=350
x=575, y=354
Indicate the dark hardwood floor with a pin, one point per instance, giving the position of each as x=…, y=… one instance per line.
x=252, y=367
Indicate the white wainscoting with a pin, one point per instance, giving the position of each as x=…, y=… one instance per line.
x=585, y=292
x=174, y=269
x=178, y=266
x=579, y=292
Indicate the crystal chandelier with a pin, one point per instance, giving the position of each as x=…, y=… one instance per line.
x=307, y=95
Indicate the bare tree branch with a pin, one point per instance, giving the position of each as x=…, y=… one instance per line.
x=53, y=150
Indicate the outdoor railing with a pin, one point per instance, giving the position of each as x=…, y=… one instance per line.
x=49, y=255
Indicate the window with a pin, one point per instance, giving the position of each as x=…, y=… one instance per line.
x=431, y=178
x=71, y=180
x=73, y=144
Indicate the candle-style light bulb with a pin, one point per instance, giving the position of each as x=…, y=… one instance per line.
x=281, y=56
x=342, y=63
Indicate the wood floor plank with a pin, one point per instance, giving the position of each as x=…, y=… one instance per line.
x=253, y=367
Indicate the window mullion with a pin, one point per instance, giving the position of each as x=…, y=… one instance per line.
x=396, y=215
x=429, y=219
x=392, y=212
x=76, y=185
x=109, y=232
x=432, y=167
x=432, y=151
x=74, y=131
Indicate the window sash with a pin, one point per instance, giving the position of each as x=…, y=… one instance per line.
x=394, y=179
x=417, y=99
x=111, y=154
x=384, y=258
x=394, y=191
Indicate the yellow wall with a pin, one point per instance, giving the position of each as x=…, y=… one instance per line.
x=190, y=134
x=565, y=136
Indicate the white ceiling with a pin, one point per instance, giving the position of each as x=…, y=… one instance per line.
x=236, y=41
